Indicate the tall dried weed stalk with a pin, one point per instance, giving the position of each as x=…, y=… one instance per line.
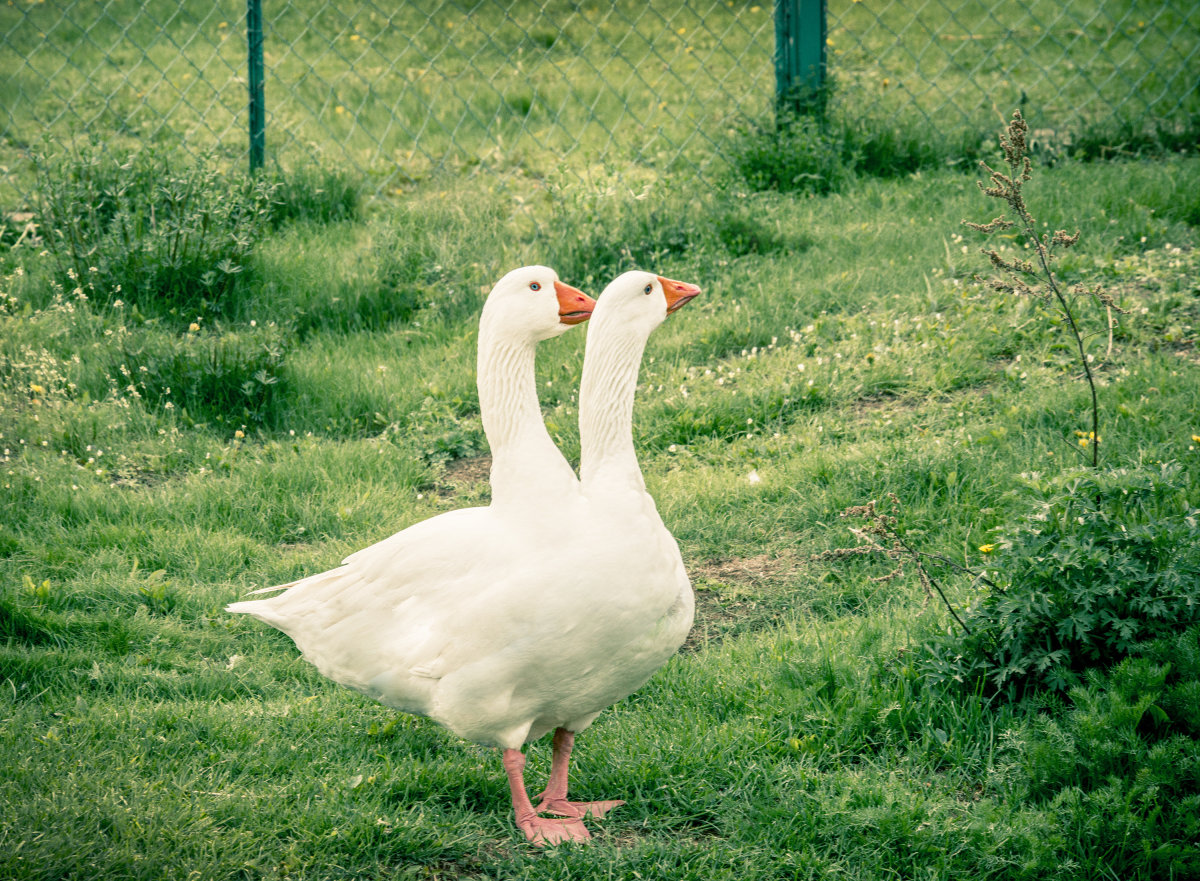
x=1036, y=278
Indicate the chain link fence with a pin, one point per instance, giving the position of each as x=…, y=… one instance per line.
x=1072, y=66
x=404, y=92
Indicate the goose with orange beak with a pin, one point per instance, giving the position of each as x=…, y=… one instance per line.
x=627, y=604
x=437, y=619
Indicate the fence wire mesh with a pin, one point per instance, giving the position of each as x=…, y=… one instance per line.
x=1071, y=66
x=404, y=92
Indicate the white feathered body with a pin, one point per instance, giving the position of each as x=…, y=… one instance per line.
x=483, y=622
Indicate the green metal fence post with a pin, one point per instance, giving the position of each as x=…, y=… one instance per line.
x=258, y=110
x=800, y=56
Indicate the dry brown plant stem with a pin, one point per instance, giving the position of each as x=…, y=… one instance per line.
x=886, y=527
x=1022, y=277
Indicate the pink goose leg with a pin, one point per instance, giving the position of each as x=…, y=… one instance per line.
x=554, y=799
x=539, y=830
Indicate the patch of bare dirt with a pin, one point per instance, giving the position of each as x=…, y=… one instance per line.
x=751, y=569
x=462, y=476
x=739, y=593
x=133, y=477
x=474, y=470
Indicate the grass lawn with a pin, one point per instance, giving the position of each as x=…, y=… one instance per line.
x=843, y=349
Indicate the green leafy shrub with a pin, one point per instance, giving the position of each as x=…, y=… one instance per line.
x=404, y=274
x=809, y=155
x=1096, y=563
x=799, y=155
x=1120, y=760
x=444, y=431
x=174, y=240
x=612, y=233
x=167, y=239
x=224, y=376
x=1123, y=137
x=741, y=231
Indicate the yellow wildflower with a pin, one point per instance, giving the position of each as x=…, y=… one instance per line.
x=986, y=549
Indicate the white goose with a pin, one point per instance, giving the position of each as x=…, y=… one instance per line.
x=433, y=620
x=628, y=605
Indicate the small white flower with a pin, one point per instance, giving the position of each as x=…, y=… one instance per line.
x=753, y=477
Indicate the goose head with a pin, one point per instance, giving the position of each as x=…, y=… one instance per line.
x=531, y=304
x=640, y=301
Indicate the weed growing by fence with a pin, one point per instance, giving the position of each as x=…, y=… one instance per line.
x=172, y=239
x=813, y=154
x=1022, y=277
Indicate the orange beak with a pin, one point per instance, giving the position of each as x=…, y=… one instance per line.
x=574, y=306
x=678, y=293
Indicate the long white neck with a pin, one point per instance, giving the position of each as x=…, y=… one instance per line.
x=526, y=464
x=610, y=372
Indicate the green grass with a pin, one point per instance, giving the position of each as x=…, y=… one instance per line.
x=147, y=733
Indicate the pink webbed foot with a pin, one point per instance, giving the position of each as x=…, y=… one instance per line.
x=561, y=807
x=543, y=830
x=539, y=830
x=554, y=799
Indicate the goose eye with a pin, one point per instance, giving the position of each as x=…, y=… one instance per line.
x=647, y=289
x=534, y=286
